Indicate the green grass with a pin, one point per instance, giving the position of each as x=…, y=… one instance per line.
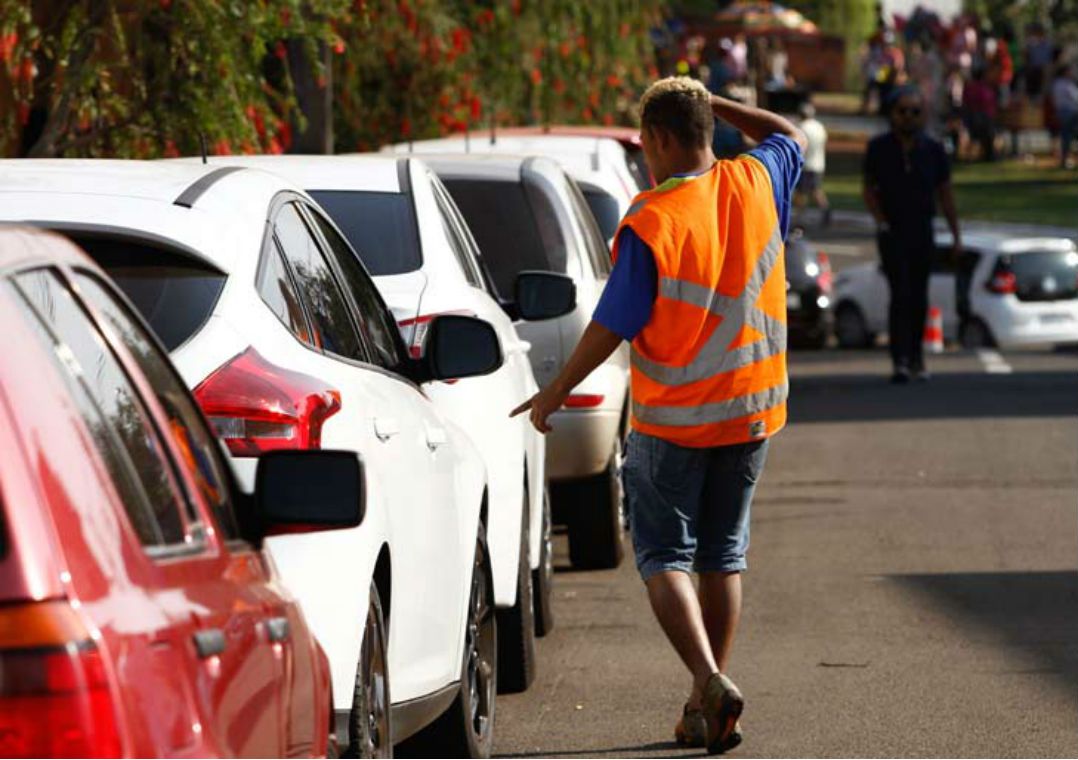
x=1006, y=191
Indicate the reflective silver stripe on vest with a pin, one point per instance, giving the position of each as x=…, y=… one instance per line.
x=720, y=411
x=714, y=357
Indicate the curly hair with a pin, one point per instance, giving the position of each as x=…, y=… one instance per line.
x=680, y=106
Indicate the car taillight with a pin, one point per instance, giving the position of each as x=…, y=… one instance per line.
x=583, y=400
x=1003, y=281
x=54, y=692
x=419, y=326
x=825, y=279
x=256, y=406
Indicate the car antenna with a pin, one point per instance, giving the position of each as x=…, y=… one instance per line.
x=202, y=145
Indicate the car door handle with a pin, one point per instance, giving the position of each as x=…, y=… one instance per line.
x=385, y=428
x=209, y=642
x=278, y=629
x=436, y=437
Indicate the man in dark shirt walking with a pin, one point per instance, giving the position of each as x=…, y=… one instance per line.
x=906, y=171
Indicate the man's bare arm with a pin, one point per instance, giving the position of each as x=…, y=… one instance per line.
x=756, y=123
x=596, y=344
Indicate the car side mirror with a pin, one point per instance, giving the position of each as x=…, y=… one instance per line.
x=543, y=295
x=457, y=347
x=304, y=491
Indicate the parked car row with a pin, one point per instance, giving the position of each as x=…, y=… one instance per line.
x=349, y=546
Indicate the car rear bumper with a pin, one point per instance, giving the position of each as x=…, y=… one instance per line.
x=1026, y=324
x=581, y=442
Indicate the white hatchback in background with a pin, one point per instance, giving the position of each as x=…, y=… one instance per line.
x=526, y=213
x=1003, y=291
x=269, y=315
x=410, y=235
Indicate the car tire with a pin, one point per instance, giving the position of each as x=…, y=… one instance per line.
x=596, y=518
x=370, y=732
x=516, y=625
x=974, y=333
x=466, y=729
x=543, y=576
x=851, y=329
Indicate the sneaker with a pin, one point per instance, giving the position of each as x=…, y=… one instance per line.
x=922, y=376
x=901, y=376
x=722, y=706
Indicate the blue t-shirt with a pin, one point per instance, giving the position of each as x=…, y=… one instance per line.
x=629, y=295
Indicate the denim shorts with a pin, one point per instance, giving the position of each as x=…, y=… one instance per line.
x=689, y=508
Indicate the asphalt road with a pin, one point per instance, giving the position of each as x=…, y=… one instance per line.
x=912, y=588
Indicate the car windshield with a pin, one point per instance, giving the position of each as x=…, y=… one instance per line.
x=173, y=291
x=604, y=207
x=380, y=226
x=1045, y=275
x=503, y=224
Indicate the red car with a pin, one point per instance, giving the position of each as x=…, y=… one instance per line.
x=138, y=615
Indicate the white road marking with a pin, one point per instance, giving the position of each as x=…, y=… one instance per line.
x=848, y=249
x=994, y=363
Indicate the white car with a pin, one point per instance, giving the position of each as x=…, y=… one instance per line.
x=270, y=316
x=1003, y=291
x=526, y=213
x=409, y=233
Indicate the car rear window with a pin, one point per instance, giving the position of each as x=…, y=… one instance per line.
x=173, y=291
x=504, y=226
x=1044, y=275
x=604, y=207
x=380, y=226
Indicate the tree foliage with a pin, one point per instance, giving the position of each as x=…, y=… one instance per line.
x=143, y=78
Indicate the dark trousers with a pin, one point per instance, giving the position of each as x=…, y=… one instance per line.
x=907, y=263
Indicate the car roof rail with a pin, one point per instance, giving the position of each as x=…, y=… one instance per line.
x=196, y=189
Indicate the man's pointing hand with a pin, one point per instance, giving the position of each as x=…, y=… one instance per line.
x=542, y=405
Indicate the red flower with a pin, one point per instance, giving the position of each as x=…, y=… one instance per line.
x=476, y=108
x=284, y=132
x=516, y=7
x=461, y=40
x=280, y=50
x=274, y=146
x=7, y=46
x=559, y=86
x=484, y=17
x=587, y=114
x=27, y=70
x=443, y=100
x=613, y=80
x=406, y=127
x=171, y=151
x=286, y=16
x=222, y=148
x=565, y=48
x=338, y=46
x=247, y=148
x=623, y=30
x=537, y=77
x=608, y=119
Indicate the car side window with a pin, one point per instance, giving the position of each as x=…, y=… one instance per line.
x=276, y=289
x=593, y=238
x=193, y=439
x=330, y=320
x=460, y=249
x=118, y=422
x=378, y=329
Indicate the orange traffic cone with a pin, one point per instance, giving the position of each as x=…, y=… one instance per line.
x=933, y=339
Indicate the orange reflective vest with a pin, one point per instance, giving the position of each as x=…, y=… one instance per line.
x=709, y=367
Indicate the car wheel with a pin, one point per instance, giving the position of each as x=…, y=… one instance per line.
x=851, y=330
x=543, y=576
x=516, y=625
x=466, y=729
x=974, y=333
x=369, y=730
x=597, y=517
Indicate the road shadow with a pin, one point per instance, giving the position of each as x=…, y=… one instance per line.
x=628, y=751
x=1033, y=611
x=870, y=397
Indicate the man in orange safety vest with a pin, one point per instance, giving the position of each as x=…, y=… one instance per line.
x=699, y=289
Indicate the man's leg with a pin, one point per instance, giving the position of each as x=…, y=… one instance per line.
x=720, y=600
x=920, y=267
x=897, y=312
x=675, y=604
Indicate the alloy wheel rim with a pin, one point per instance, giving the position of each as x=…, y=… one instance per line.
x=376, y=719
x=480, y=648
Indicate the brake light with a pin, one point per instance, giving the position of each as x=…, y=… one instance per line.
x=54, y=691
x=1003, y=281
x=583, y=400
x=257, y=407
x=825, y=279
x=418, y=327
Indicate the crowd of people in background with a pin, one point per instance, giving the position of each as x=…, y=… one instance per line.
x=980, y=84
